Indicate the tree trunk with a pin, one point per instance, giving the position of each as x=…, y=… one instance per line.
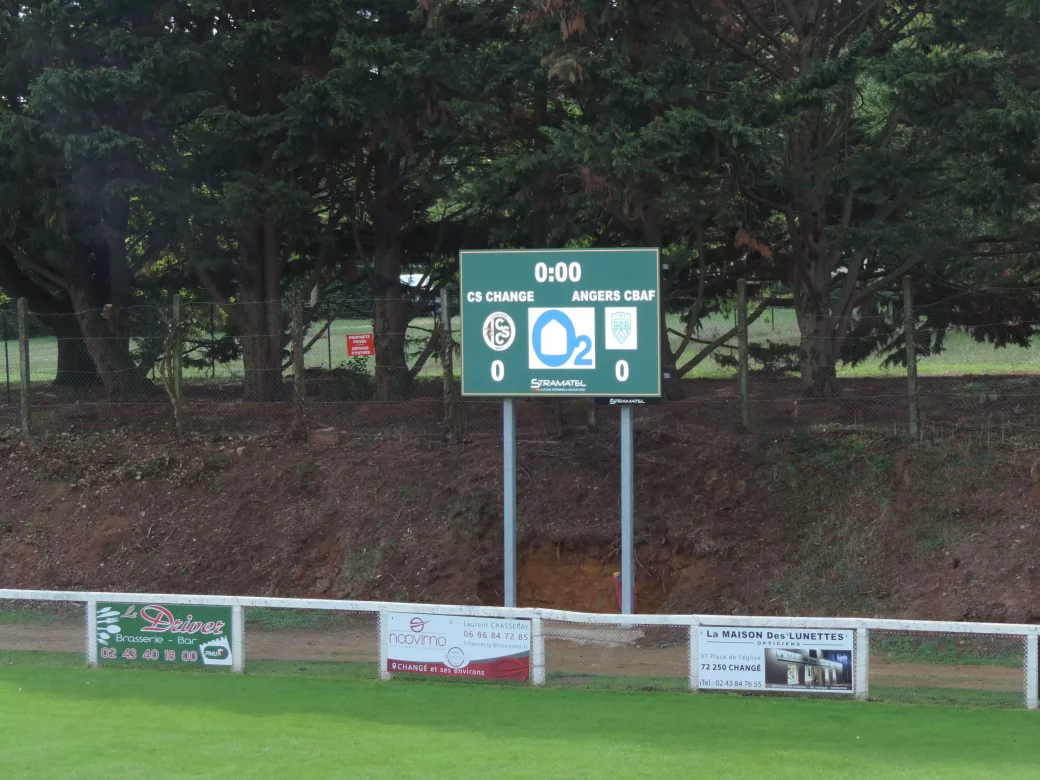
x=671, y=382
x=390, y=321
x=819, y=358
x=108, y=342
x=259, y=319
x=262, y=353
x=393, y=379
x=821, y=338
x=75, y=366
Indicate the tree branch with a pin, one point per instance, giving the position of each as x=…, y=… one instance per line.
x=432, y=344
x=721, y=340
x=869, y=290
x=739, y=50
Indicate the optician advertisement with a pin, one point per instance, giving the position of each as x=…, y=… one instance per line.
x=457, y=646
x=750, y=658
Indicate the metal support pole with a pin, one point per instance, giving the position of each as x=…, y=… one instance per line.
x=627, y=510
x=909, y=326
x=509, y=501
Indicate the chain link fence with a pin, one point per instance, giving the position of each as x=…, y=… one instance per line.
x=269, y=368
x=639, y=657
x=915, y=662
x=312, y=643
x=42, y=633
x=948, y=668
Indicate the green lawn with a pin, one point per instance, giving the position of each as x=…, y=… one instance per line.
x=66, y=723
x=963, y=356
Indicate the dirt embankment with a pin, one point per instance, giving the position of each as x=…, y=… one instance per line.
x=830, y=523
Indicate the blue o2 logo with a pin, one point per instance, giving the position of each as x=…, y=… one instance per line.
x=561, y=338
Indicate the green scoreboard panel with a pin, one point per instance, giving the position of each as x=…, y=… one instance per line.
x=561, y=322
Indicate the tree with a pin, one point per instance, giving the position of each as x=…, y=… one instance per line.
x=860, y=125
x=636, y=160
x=421, y=86
x=247, y=194
x=83, y=91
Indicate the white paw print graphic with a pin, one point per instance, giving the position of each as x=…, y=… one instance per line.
x=107, y=624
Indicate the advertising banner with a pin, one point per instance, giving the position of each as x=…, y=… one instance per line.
x=749, y=658
x=164, y=634
x=458, y=646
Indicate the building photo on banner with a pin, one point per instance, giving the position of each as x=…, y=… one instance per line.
x=775, y=659
x=457, y=646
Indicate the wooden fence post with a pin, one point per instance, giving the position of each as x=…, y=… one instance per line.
x=909, y=331
x=299, y=423
x=742, y=355
x=178, y=352
x=23, y=364
x=452, y=411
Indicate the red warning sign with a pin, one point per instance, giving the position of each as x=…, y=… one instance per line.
x=361, y=345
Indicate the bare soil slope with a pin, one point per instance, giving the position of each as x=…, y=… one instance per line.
x=838, y=522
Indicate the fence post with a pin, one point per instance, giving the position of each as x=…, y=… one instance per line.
x=299, y=424
x=1032, y=682
x=7, y=355
x=178, y=352
x=452, y=424
x=212, y=340
x=23, y=364
x=537, y=651
x=92, y=659
x=909, y=331
x=861, y=670
x=694, y=657
x=742, y=354
x=328, y=335
x=238, y=640
x=384, y=673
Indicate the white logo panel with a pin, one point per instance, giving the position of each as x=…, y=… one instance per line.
x=621, y=328
x=563, y=338
x=499, y=331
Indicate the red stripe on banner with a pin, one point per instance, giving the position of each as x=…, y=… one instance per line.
x=512, y=668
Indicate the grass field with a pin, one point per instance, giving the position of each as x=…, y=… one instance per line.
x=66, y=723
x=963, y=356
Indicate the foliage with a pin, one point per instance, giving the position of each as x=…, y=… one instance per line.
x=353, y=380
x=242, y=153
